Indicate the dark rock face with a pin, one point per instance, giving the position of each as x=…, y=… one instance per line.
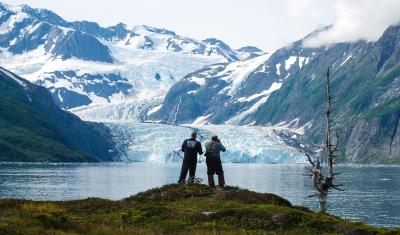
x=82, y=46
x=221, y=48
x=31, y=40
x=44, y=15
x=216, y=42
x=101, y=85
x=187, y=100
x=160, y=31
x=117, y=31
x=38, y=28
x=375, y=141
x=250, y=49
x=70, y=99
x=157, y=77
x=148, y=43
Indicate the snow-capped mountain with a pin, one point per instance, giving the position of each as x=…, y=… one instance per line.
x=85, y=64
x=227, y=93
x=250, y=52
x=140, y=73
x=287, y=89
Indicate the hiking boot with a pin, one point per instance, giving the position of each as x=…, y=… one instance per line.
x=211, y=182
x=181, y=181
x=191, y=180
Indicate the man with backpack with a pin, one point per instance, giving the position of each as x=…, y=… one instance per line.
x=213, y=160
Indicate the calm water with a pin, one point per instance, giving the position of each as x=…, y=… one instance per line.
x=372, y=192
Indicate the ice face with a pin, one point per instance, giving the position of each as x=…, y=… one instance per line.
x=162, y=143
x=150, y=141
x=250, y=144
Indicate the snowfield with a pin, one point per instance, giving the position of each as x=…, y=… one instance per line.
x=150, y=73
x=89, y=67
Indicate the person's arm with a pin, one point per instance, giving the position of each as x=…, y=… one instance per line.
x=199, y=148
x=222, y=147
x=183, y=146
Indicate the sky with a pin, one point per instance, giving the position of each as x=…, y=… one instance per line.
x=267, y=24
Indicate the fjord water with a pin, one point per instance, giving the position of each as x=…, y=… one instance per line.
x=372, y=193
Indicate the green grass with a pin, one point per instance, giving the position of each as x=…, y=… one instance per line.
x=175, y=209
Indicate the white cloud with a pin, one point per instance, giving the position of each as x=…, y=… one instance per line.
x=357, y=20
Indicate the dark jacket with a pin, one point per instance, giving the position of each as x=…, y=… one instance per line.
x=191, y=148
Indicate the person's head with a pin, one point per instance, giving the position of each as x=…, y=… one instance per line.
x=214, y=138
x=194, y=135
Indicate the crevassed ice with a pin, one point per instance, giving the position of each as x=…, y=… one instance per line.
x=130, y=110
x=162, y=143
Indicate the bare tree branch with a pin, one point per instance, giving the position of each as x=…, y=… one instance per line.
x=309, y=159
x=334, y=187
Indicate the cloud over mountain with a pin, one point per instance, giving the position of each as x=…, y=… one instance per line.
x=358, y=20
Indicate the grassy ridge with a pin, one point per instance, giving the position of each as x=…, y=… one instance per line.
x=175, y=209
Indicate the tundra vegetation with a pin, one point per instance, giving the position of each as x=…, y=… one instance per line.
x=175, y=209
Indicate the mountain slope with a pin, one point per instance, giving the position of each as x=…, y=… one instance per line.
x=33, y=128
x=287, y=89
x=229, y=92
x=86, y=65
x=366, y=81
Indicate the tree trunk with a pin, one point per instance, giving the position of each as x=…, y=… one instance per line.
x=323, y=184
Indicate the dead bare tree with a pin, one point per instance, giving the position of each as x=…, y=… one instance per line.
x=322, y=184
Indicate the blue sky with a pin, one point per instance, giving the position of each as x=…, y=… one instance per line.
x=268, y=24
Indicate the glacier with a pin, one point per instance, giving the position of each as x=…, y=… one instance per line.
x=157, y=142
